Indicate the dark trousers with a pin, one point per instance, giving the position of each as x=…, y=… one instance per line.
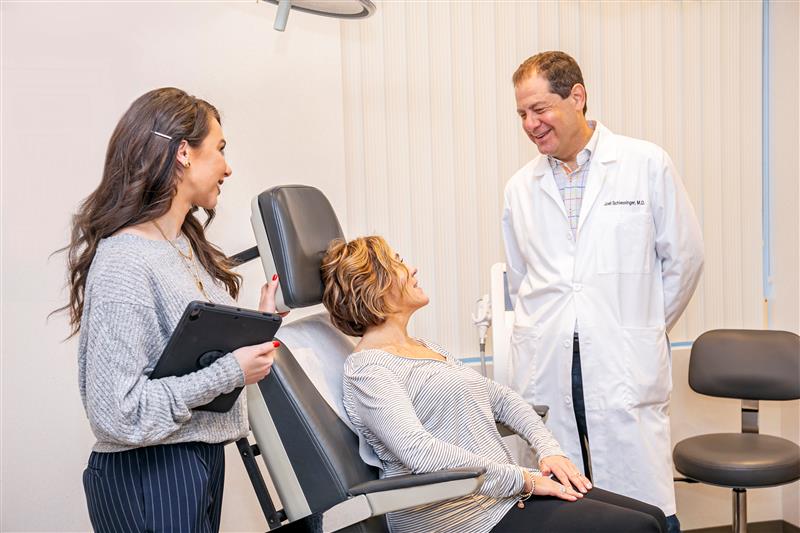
x=599, y=511
x=579, y=408
x=169, y=488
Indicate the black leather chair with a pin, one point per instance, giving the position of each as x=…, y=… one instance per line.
x=750, y=365
x=311, y=454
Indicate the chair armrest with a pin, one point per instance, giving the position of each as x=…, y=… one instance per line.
x=505, y=431
x=375, y=498
x=415, y=480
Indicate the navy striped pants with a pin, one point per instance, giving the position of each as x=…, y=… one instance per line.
x=167, y=488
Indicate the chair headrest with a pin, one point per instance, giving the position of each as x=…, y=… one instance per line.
x=293, y=225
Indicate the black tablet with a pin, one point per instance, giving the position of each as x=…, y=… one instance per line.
x=207, y=332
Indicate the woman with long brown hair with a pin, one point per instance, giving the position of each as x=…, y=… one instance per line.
x=422, y=410
x=137, y=256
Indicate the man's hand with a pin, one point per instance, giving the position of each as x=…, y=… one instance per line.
x=566, y=472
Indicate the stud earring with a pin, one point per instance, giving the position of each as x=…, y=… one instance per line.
x=186, y=164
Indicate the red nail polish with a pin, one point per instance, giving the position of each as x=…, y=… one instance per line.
x=274, y=277
x=276, y=343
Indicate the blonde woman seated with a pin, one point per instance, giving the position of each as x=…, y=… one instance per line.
x=422, y=410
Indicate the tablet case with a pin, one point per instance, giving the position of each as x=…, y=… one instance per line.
x=208, y=331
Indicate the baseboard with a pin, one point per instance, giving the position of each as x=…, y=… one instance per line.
x=773, y=526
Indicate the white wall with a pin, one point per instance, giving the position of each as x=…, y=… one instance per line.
x=69, y=71
x=784, y=161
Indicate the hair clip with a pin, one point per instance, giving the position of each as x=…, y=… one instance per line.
x=162, y=135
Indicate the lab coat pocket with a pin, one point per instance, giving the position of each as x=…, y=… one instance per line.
x=522, y=360
x=628, y=244
x=649, y=367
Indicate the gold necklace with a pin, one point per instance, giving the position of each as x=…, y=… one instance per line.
x=184, y=258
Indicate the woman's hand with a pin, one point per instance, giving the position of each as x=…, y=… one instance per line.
x=566, y=472
x=256, y=360
x=548, y=487
x=529, y=481
x=266, y=303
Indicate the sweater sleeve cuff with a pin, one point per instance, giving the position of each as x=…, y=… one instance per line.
x=229, y=366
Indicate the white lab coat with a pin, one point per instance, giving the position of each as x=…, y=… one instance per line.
x=625, y=280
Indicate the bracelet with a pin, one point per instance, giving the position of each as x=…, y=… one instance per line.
x=525, y=496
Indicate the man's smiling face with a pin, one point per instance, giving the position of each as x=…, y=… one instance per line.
x=551, y=122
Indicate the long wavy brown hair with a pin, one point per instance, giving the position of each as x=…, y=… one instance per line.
x=140, y=178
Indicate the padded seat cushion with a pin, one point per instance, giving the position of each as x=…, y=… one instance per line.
x=738, y=459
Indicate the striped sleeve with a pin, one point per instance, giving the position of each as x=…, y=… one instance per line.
x=513, y=411
x=380, y=403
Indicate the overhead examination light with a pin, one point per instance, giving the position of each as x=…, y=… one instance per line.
x=343, y=9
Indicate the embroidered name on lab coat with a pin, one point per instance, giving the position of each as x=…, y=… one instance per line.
x=624, y=202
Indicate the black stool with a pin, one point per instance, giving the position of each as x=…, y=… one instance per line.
x=751, y=365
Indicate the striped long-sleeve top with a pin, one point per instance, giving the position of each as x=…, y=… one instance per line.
x=425, y=415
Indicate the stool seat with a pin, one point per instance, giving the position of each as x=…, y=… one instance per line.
x=738, y=460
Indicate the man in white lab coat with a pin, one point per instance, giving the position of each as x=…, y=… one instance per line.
x=603, y=253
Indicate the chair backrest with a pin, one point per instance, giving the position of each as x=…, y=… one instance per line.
x=311, y=453
x=293, y=225
x=317, y=460
x=746, y=364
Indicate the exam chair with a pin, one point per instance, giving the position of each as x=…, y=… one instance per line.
x=315, y=460
x=751, y=365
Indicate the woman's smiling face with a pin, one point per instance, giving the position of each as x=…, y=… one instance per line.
x=203, y=179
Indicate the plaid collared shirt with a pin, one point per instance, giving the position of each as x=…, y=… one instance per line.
x=571, y=182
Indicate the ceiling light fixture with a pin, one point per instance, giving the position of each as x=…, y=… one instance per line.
x=345, y=9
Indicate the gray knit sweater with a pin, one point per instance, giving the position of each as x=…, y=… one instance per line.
x=136, y=292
